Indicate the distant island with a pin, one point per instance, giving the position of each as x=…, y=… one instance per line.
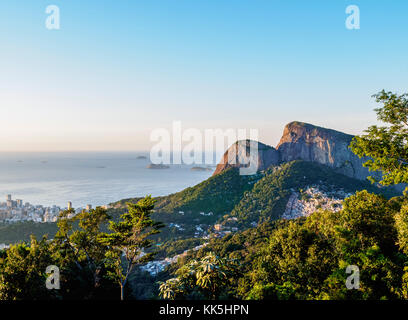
x=201, y=169
x=157, y=166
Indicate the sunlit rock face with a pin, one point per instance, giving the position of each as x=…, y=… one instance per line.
x=325, y=146
x=244, y=152
x=301, y=141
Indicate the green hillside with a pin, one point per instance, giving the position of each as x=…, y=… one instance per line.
x=269, y=196
x=262, y=196
x=218, y=194
x=21, y=231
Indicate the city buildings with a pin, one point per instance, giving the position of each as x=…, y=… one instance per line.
x=16, y=211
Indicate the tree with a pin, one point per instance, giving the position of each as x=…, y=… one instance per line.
x=80, y=253
x=23, y=271
x=401, y=223
x=366, y=236
x=387, y=145
x=208, y=278
x=129, y=240
x=170, y=289
x=308, y=258
x=295, y=262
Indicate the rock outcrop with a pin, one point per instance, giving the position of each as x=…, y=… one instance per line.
x=157, y=166
x=326, y=146
x=302, y=141
x=239, y=154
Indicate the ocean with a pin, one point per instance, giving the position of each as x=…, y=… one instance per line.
x=96, y=178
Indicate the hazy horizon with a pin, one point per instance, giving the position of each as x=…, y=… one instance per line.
x=147, y=150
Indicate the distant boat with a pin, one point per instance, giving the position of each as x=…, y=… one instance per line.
x=44, y=161
x=141, y=157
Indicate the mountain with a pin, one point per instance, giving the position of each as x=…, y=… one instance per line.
x=238, y=155
x=307, y=156
x=302, y=141
x=325, y=146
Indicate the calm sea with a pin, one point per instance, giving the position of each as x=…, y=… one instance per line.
x=88, y=178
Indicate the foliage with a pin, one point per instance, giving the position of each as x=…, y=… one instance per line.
x=22, y=231
x=80, y=253
x=401, y=220
x=387, y=145
x=128, y=240
x=175, y=247
x=307, y=258
x=22, y=271
x=89, y=259
x=205, y=278
x=269, y=196
x=218, y=194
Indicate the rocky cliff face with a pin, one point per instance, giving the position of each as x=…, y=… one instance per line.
x=303, y=141
x=329, y=147
x=239, y=155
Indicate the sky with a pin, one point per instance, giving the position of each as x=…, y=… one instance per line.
x=117, y=69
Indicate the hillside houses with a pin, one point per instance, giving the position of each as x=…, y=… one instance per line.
x=305, y=202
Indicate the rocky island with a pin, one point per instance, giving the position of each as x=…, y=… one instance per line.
x=201, y=169
x=157, y=166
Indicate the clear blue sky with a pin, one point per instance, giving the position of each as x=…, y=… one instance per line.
x=118, y=69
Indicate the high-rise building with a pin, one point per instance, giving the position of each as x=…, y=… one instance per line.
x=19, y=203
x=8, y=197
x=88, y=207
x=69, y=205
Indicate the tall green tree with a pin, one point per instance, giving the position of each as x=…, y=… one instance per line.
x=23, y=271
x=80, y=253
x=129, y=240
x=387, y=145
